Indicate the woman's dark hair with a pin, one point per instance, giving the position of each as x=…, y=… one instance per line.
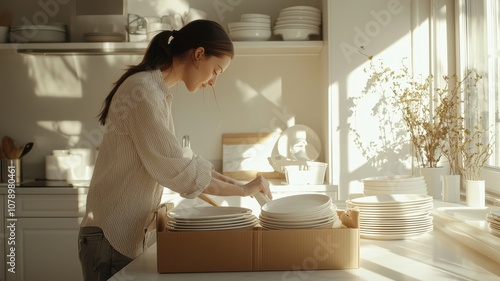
x=172, y=43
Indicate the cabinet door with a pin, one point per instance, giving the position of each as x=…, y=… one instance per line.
x=2, y=241
x=46, y=249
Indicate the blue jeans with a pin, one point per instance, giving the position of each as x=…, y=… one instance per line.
x=98, y=258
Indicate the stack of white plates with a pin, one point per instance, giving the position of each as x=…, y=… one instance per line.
x=211, y=218
x=252, y=27
x=493, y=219
x=300, y=211
x=38, y=33
x=394, y=185
x=389, y=217
x=297, y=23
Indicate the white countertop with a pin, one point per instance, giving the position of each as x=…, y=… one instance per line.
x=432, y=256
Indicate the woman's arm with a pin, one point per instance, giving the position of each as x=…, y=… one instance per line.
x=224, y=178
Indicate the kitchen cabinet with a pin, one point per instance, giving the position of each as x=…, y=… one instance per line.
x=46, y=234
x=2, y=241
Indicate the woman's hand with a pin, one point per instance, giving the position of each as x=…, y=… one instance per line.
x=259, y=184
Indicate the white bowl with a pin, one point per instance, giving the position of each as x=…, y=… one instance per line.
x=300, y=13
x=259, y=16
x=392, y=179
x=294, y=26
x=250, y=35
x=37, y=33
x=302, y=8
x=297, y=34
x=247, y=24
x=308, y=22
x=259, y=20
x=299, y=17
x=249, y=29
x=381, y=192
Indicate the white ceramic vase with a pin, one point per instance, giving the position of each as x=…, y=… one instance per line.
x=432, y=177
x=475, y=192
x=450, y=188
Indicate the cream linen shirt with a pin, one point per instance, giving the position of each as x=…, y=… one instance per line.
x=138, y=156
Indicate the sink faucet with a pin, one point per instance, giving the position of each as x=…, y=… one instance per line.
x=185, y=141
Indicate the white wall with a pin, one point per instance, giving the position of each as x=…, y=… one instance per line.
x=363, y=143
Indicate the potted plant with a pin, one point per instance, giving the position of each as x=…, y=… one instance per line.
x=423, y=115
x=435, y=122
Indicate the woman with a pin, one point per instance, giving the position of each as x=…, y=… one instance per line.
x=140, y=154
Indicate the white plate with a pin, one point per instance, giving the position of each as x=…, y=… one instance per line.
x=207, y=222
x=393, y=178
x=330, y=224
x=240, y=224
x=393, y=199
x=300, y=204
x=318, y=219
x=381, y=192
x=395, y=227
x=411, y=205
x=232, y=227
x=203, y=213
x=396, y=221
x=250, y=35
x=302, y=8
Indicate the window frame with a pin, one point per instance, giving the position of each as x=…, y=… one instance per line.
x=463, y=8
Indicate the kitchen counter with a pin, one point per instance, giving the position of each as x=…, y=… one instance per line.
x=432, y=256
x=36, y=187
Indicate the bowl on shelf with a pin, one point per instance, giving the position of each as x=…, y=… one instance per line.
x=252, y=27
x=248, y=25
x=250, y=35
x=298, y=23
x=295, y=34
x=260, y=18
x=37, y=34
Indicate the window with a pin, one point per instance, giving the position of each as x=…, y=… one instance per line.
x=479, y=49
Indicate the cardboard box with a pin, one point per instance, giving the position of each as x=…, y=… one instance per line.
x=258, y=249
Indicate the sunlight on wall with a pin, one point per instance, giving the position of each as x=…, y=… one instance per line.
x=55, y=76
x=272, y=92
x=70, y=130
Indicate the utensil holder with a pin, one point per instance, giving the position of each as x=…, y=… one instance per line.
x=11, y=171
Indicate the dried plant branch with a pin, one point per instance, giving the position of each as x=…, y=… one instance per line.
x=435, y=120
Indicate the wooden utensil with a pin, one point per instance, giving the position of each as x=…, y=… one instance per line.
x=25, y=149
x=207, y=199
x=5, y=19
x=2, y=155
x=8, y=147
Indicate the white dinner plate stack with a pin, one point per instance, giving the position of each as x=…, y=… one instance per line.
x=300, y=211
x=399, y=184
x=493, y=219
x=390, y=217
x=252, y=27
x=210, y=219
x=297, y=23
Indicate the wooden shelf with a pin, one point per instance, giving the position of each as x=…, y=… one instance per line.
x=118, y=48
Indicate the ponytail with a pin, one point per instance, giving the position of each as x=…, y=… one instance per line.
x=172, y=43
